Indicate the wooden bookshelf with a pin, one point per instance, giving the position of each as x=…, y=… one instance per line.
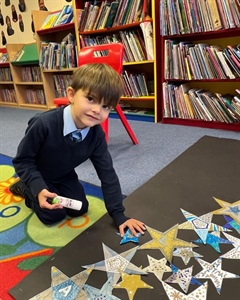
x=222, y=38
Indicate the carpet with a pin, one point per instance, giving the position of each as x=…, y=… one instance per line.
x=210, y=168
x=25, y=242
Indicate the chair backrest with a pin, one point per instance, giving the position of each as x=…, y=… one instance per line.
x=112, y=55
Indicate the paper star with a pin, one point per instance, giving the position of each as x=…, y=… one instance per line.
x=129, y=237
x=157, y=267
x=214, y=239
x=235, y=252
x=165, y=241
x=214, y=272
x=202, y=224
x=62, y=285
x=104, y=293
x=232, y=224
x=229, y=209
x=199, y=294
x=131, y=283
x=182, y=277
x=186, y=254
x=114, y=263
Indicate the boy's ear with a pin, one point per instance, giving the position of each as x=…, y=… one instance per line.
x=70, y=94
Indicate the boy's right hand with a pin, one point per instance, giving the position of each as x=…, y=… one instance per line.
x=43, y=197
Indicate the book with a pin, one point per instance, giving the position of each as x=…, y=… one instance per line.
x=112, y=13
x=216, y=21
x=65, y=16
x=50, y=20
x=148, y=38
x=27, y=55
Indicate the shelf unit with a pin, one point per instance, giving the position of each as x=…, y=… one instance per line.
x=53, y=34
x=6, y=84
x=222, y=38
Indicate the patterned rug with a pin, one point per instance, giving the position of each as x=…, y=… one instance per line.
x=24, y=241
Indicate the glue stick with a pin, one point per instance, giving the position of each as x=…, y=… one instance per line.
x=67, y=202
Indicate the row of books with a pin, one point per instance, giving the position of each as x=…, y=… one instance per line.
x=182, y=101
x=35, y=96
x=59, y=55
x=5, y=74
x=31, y=74
x=134, y=46
x=3, y=57
x=61, y=83
x=189, y=61
x=135, y=84
x=9, y=95
x=190, y=16
x=59, y=17
x=105, y=14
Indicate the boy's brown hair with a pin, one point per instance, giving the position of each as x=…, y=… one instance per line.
x=100, y=81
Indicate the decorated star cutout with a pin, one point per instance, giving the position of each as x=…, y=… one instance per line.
x=214, y=239
x=131, y=283
x=235, y=252
x=201, y=224
x=104, y=293
x=114, y=263
x=230, y=209
x=199, y=294
x=232, y=224
x=64, y=287
x=165, y=241
x=129, y=237
x=214, y=272
x=185, y=254
x=182, y=277
x=157, y=267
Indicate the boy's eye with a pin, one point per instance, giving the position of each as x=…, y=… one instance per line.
x=106, y=107
x=91, y=99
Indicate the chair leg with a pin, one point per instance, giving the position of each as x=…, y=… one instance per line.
x=126, y=124
x=105, y=128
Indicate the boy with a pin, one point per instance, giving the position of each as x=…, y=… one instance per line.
x=47, y=155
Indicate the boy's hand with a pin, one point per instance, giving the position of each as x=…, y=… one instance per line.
x=43, y=197
x=134, y=225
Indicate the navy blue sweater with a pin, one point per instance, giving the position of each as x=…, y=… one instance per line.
x=44, y=154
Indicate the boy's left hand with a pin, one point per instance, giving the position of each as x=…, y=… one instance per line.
x=134, y=225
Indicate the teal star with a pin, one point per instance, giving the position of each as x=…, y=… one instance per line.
x=129, y=237
x=214, y=239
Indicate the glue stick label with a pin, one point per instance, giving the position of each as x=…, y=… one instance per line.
x=67, y=202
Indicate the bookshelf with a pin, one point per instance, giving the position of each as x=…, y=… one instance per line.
x=54, y=35
x=185, y=72
x=139, y=67
x=26, y=74
x=7, y=92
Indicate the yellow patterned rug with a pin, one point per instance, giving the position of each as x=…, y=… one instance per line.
x=24, y=241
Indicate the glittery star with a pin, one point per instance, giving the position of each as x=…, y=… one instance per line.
x=114, y=263
x=202, y=225
x=214, y=272
x=131, y=283
x=129, y=237
x=235, y=252
x=199, y=294
x=182, y=277
x=64, y=287
x=104, y=293
x=214, y=239
x=165, y=241
x=185, y=254
x=232, y=224
x=229, y=209
x=157, y=267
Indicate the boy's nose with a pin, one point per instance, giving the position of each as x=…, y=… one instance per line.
x=96, y=108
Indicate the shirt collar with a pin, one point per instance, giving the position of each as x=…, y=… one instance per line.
x=69, y=125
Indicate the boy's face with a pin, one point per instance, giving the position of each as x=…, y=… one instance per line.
x=86, y=112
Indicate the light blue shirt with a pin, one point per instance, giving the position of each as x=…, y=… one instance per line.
x=69, y=125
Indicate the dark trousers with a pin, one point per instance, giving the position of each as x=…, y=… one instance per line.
x=70, y=188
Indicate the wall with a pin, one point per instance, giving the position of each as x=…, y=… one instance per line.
x=16, y=21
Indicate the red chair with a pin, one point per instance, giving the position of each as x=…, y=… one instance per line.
x=113, y=56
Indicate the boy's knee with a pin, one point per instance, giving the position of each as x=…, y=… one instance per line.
x=51, y=217
x=78, y=213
